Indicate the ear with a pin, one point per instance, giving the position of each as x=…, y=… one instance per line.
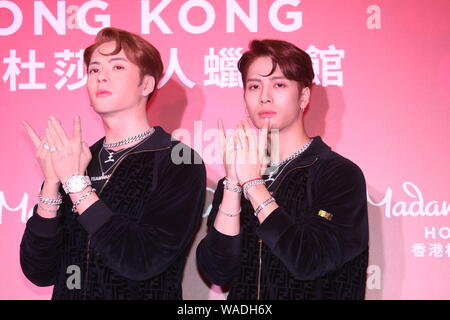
x=304, y=98
x=148, y=85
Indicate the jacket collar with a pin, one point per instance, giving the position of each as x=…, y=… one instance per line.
x=160, y=139
x=317, y=149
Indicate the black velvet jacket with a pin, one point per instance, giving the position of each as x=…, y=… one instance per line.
x=132, y=243
x=299, y=251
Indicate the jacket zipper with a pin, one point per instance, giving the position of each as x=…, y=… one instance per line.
x=89, y=237
x=287, y=173
x=259, y=270
x=87, y=268
x=260, y=240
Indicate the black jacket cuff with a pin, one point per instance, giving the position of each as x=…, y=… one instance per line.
x=226, y=245
x=43, y=227
x=274, y=226
x=94, y=217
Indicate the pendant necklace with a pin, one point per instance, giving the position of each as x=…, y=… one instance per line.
x=274, y=169
x=104, y=173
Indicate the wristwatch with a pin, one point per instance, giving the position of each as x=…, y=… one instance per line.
x=76, y=183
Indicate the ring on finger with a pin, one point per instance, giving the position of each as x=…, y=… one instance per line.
x=52, y=149
x=46, y=146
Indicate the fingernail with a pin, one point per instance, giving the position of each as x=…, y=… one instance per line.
x=52, y=118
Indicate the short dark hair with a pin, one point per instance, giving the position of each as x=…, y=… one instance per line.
x=138, y=50
x=295, y=64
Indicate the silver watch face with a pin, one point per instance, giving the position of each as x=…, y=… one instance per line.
x=76, y=184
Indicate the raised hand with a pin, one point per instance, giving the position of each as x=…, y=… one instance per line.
x=251, y=159
x=42, y=154
x=70, y=155
x=228, y=152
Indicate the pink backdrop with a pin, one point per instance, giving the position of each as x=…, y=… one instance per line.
x=382, y=99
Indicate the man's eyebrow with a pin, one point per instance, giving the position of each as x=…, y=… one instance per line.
x=118, y=58
x=277, y=78
x=254, y=79
x=110, y=60
x=271, y=78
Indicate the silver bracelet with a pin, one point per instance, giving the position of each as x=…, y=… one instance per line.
x=84, y=196
x=250, y=184
x=231, y=186
x=229, y=214
x=263, y=205
x=51, y=202
x=48, y=210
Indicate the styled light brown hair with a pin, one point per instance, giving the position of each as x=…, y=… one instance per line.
x=138, y=50
x=295, y=64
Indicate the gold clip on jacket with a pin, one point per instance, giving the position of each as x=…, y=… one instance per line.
x=324, y=214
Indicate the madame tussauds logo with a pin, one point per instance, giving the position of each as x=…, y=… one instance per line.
x=415, y=208
x=25, y=212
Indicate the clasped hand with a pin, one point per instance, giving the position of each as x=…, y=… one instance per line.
x=244, y=156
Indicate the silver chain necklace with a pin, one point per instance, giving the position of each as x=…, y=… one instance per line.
x=122, y=142
x=284, y=163
x=294, y=155
x=106, y=176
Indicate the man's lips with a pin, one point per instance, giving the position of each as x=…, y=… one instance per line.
x=267, y=114
x=102, y=93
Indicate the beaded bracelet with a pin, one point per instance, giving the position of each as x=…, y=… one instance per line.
x=229, y=214
x=231, y=186
x=249, y=184
x=263, y=205
x=250, y=181
x=84, y=196
x=51, y=202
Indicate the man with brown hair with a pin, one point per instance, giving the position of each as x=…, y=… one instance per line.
x=126, y=213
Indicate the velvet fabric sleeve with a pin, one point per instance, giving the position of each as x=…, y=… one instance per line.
x=314, y=245
x=218, y=255
x=40, y=249
x=141, y=250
